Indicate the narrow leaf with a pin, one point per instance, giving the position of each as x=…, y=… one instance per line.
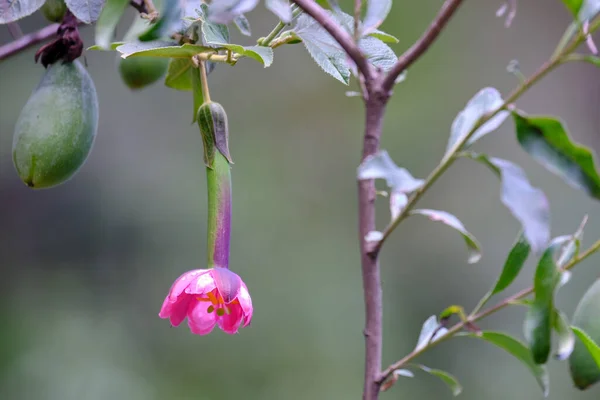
x=377, y=11
x=214, y=34
x=281, y=8
x=453, y=222
x=262, y=54
x=592, y=346
x=404, y=372
x=519, y=351
x=548, y=142
x=566, y=338
x=573, y=5
x=179, y=74
x=485, y=101
x=111, y=46
x=571, y=249
x=108, y=20
x=513, y=264
x=161, y=49
x=86, y=11
x=448, y=379
x=384, y=36
x=540, y=317
x=529, y=205
x=241, y=22
x=381, y=166
x=430, y=332
x=169, y=21
x=11, y=11
x=225, y=11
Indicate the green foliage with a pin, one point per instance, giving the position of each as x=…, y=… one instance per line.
x=519, y=351
x=241, y=22
x=529, y=205
x=281, y=8
x=566, y=338
x=447, y=378
x=179, y=74
x=584, y=362
x=86, y=11
x=107, y=22
x=377, y=11
x=453, y=222
x=161, y=49
x=547, y=141
x=169, y=19
x=18, y=9
x=513, y=265
x=540, y=316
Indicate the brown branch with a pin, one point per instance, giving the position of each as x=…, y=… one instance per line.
x=28, y=40
x=339, y=34
x=420, y=46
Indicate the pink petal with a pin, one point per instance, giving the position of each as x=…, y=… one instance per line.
x=201, y=284
x=200, y=321
x=179, y=310
x=230, y=323
x=184, y=281
x=246, y=304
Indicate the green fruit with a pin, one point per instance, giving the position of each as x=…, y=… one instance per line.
x=584, y=370
x=56, y=129
x=138, y=72
x=54, y=10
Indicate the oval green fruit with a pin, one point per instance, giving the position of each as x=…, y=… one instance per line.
x=56, y=128
x=584, y=370
x=138, y=72
x=54, y=10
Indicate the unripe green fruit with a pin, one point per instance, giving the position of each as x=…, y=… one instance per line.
x=138, y=72
x=56, y=128
x=54, y=10
x=584, y=370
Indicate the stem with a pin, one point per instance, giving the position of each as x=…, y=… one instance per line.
x=218, y=179
x=478, y=316
x=151, y=11
x=566, y=38
x=271, y=36
x=375, y=108
x=28, y=40
x=204, y=81
x=357, y=10
x=451, y=155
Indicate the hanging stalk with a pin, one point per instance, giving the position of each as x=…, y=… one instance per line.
x=212, y=121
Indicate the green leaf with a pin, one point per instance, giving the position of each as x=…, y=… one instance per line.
x=161, y=49
x=381, y=166
x=453, y=222
x=377, y=11
x=584, y=364
x=589, y=9
x=179, y=74
x=547, y=141
x=448, y=379
x=540, y=316
x=529, y=205
x=225, y=11
x=519, y=351
x=86, y=11
x=592, y=347
x=378, y=53
x=573, y=5
x=324, y=50
x=430, y=332
x=566, y=338
x=16, y=9
x=108, y=20
x=485, y=101
x=281, y=8
x=111, y=46
x=384, y=37
x=214, y=34
x=571, y=249
x=513, y=264
x=262, y=54
x=241, y=22
x=169, y=21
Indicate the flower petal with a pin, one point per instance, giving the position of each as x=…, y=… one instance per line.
x=184, y=281
x=178, y=311
x=230, y=323
x=200, y=321
x=246, y=304
x=202, y=283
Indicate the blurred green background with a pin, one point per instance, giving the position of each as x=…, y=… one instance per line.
x=86, y=265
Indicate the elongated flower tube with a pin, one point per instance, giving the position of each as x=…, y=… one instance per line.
x=213, y=296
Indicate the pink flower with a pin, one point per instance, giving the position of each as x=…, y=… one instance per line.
x=208, y=297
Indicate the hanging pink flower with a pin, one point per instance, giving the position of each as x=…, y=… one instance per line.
x=208, y=297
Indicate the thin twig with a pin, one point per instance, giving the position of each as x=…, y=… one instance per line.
x=28, y=40
x=357, y=10
x=491, y=310
x=421, y=45
x=339, y=34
